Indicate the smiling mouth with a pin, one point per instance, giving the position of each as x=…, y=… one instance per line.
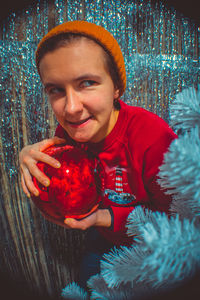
x=79, y=122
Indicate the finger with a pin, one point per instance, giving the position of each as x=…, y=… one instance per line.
x=75, y=224
x=39, y=175
x=28, y=182
x=58, y=140
x=40, y=156
x=31, y=187
x=70, y=222
x=24, y=188
x=52, y=141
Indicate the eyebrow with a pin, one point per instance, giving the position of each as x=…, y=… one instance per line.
x=88, y=75
x=79, y=78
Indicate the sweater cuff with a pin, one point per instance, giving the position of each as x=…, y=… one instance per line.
x=120, y=215
x=112, y=218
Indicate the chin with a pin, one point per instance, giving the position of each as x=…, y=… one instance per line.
x=80, y=139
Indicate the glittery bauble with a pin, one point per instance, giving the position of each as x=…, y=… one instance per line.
x=75, y=188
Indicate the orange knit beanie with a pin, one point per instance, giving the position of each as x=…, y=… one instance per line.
x=95, y=32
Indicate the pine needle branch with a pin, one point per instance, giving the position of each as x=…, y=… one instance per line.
x=169, y=253
x=180, y=174
x=74, y=292
x=185, y=111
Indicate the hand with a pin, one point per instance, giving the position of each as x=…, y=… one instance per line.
x=28, y=158
x=101, y=217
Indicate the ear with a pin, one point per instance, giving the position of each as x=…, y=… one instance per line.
x=116, y=94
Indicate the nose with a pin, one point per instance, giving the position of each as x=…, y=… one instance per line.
x=73, y=103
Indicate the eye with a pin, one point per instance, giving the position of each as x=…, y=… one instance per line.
x=88, y=83
x=53, y=91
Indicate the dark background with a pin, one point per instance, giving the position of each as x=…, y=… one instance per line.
x=9, y=290
x=190, y=8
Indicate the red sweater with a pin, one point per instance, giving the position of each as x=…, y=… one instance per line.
x=131, y=155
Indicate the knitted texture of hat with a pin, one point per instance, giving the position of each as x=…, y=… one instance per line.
x=95, y=32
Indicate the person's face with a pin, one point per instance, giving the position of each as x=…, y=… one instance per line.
x=80, y=90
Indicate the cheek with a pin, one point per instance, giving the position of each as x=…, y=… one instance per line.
x=107, y=104
x=57, y=107
x=101, y=101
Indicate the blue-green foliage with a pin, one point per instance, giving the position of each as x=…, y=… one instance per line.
x=122, y=265
x=185, y=111
x=74, y=292
x=137, y=219
x=101, y=291
x=180, y=174
x=167, y=253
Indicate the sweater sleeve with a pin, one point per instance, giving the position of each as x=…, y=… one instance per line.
x=157, y=199
x=153, y=159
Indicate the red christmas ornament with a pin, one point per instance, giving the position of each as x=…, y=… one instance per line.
x=75, y=188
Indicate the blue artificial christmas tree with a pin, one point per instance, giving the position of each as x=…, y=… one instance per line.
x=166, y=250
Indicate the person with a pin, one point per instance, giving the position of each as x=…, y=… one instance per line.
x=83, y=73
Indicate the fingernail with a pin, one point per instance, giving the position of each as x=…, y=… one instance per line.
x=68, y=221
x=36, y=193
x=46, y=182
x=58, y=165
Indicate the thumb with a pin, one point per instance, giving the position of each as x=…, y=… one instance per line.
x=69, y=221
x=58, y=140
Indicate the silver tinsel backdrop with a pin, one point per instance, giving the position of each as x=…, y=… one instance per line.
x=161, y=50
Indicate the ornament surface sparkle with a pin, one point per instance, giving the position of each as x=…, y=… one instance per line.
x=75, y=188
